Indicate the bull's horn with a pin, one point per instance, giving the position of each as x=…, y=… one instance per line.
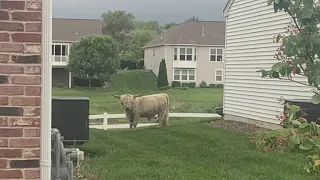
x=137, y=95
x=117, y=96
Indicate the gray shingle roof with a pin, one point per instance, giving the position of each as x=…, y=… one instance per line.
x=69, y=30
x=191, y=33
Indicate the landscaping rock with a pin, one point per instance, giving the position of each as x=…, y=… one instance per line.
x=236, y=126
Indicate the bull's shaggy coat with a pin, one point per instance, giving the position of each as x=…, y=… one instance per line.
x=136, y=106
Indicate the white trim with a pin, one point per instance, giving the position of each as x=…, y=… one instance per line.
x=70, y=79
x=216, y=48
x=63, y=41
x=180, y=74
x=46, y=91
x=197, y=45
x=215, y=75
x=224, y=65
x=225, y=12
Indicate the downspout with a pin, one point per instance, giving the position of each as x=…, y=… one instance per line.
x=224, y=63
x=46, y=90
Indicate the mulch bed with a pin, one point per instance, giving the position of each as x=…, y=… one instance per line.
x=236, y=126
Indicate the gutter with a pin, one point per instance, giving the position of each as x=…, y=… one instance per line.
x=46, y=91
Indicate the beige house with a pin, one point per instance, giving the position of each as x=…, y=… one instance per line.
x=64, y=33
x=194, y=52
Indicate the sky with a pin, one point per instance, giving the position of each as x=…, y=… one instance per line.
x=144, y=10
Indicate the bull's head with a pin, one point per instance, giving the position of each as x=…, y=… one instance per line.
x=126, y=100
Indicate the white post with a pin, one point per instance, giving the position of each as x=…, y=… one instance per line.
x=105, y=121
x=70, y=79
x=46, y=91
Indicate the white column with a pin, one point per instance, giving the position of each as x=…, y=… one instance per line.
x=46, y=91
x=70, y=79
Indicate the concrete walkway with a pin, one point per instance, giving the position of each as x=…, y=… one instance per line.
x=121, y=126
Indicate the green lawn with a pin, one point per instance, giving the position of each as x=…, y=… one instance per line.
x=192, y=100
x=189, y=149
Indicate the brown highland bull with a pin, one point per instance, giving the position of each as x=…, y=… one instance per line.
x=136, y=106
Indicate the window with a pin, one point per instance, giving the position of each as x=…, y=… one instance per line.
x=216, y=54
x=60, y=52
x=175, y=54
x=184, y=54
x=195, y=54
x=153, y=52
x=182, y=74
x=219, y=75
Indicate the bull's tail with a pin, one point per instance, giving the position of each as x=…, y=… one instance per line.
x=167, y=111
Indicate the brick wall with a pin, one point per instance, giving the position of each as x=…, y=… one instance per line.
x=20, y=61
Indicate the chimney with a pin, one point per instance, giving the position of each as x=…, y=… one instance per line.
x=202, y=30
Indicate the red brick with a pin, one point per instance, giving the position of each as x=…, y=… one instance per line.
x=13, y=5
x=11, y=90
x=4, y=15
x=9, y=47
x=3, y=142
x=10, y=174
x=3, y=163
x=26, y=142
x=33, y=91
x=33, y=49
x=25, y=101
x=33, y=70
x=26, y=16
x=23, y=37
x=11, y=69
x=3, y=122
x=33, y=27
x=3, y=101
x=10, y=153
x=29, y=59
x=31, y=132
x=32, y=111
x=11, y=26
x=34, y=6
x=5, y=37
x=26, y=80
x=32, y=174
x=24, y=122
x=4, y=58
x=4, y=132
x=31, y=153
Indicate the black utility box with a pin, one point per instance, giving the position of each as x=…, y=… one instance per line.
x=312, y=110
x=70, y=115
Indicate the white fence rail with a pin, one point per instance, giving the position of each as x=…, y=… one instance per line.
x=107, y=116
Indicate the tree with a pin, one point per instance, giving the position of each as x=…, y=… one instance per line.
x=169, y=25
x=299, y=50
x=149, y=25
x=162, y=75
x=138, y=40
x=193, y=18
x=94, y=56
x=118, y=24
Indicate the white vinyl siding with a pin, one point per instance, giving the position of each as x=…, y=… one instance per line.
x=251, y=26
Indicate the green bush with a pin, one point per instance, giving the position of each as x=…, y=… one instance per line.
x=183, y=88
x=192, y=85
x=212, y=85
x=164, y=88
x=176, y=84
x=219, y=86
x=140, y=64
x=203, y=84
x=162, y=76
x=185, y=84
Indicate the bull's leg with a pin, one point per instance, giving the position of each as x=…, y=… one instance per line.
x=131, y=124
x=166, y=116
x=135, y=120
x=161, y=118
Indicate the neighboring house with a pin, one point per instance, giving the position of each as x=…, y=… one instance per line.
x=64, y=33
x=194, y=52
x=251, y=26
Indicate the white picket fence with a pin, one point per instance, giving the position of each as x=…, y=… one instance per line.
x=107, y=116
